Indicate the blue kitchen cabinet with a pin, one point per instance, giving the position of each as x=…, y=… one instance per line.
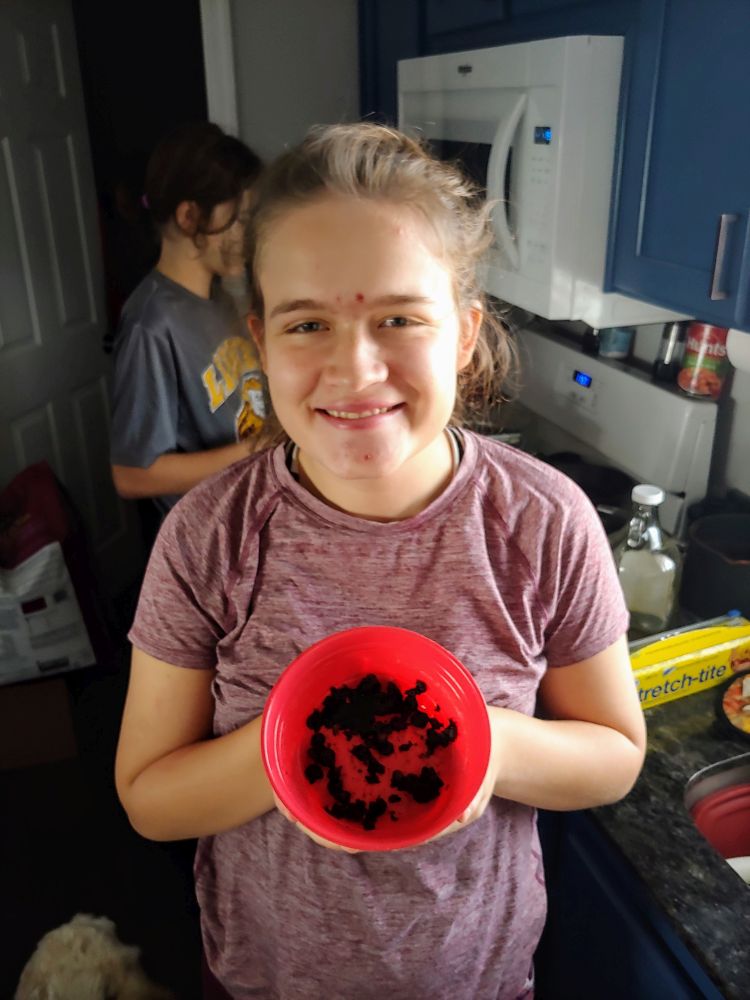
x=389, y=30
x=524, y=20
x=447, y=15
x=605, y=937
x=680, y=235
x=523, y=7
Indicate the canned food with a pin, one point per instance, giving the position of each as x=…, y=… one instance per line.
x=704, y=362
x=615, y=341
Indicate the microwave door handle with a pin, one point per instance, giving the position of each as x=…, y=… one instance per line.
x=496, y=168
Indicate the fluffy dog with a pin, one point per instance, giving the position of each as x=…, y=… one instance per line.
x=85, y=960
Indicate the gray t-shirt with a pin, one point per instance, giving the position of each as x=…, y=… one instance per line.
x=509, y=569
x=187, y=376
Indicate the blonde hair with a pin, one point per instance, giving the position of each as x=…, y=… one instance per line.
x=364, y=160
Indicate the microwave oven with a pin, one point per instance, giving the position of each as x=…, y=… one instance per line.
x=534, y=124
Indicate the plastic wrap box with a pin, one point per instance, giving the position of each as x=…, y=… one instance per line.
x=673, y=665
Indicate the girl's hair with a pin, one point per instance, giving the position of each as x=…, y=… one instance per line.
x=364, y=160
x=198, y=162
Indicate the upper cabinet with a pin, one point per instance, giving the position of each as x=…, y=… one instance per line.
x=521, y=7
x=447, y=15
x=389, y=30
x=680, y=235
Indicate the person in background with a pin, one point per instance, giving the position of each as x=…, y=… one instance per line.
x=375, y=507
x=188, y=391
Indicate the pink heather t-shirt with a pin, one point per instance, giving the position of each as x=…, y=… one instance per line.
x=509, y=569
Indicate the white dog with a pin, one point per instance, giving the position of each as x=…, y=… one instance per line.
x=85, y=960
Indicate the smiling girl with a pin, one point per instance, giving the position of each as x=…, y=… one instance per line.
x=375, y=507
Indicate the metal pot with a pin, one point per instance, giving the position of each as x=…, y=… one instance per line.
x=716, y=576
x=608, y=489
x=603, y=484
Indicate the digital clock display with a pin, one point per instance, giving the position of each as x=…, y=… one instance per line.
x=542, y=135
x=582, y=378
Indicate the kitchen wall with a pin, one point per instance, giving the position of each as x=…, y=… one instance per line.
x=732, y=450
x=296, y=64
x=731, y=464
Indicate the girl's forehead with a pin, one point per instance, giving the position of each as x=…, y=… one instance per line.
x=351, y=229
x=351, y=253
x=348, y=211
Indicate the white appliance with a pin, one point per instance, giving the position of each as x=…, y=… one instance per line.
x=535, y=125
x=613, y=414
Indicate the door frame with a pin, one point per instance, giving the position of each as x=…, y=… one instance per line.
x=218, y=63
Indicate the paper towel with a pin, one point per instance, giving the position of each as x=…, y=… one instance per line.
x=738, y=349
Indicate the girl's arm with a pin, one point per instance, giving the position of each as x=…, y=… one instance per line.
x=174, y=780
x=590, y=748
x=176, y=473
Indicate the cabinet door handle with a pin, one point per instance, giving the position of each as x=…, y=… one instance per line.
x=725, y=221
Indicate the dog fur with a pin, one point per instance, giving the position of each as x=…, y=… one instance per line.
x=85, y=960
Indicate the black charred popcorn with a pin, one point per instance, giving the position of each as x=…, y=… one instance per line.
x=370, y=712
x=423, y=787
x=373, y=765
x=320, y=752
x=435, y=739
x=313, y=773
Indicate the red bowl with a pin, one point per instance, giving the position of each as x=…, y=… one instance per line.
x=392, y=654
x=723, y=817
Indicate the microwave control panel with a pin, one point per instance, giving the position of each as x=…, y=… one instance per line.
x=533, y=165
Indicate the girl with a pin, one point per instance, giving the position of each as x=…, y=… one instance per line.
x=378, y=509
x=188, y=396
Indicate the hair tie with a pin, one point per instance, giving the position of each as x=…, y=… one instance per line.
x=144, y=202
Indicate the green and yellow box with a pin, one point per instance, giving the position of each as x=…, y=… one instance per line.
x=677, y=665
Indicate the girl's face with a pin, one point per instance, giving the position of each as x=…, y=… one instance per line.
x=361, y=341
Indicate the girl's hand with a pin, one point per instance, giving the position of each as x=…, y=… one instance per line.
x=313, y=836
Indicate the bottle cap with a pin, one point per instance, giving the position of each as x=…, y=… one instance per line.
x=650, y=495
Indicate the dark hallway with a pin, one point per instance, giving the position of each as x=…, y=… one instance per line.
x=68, y=848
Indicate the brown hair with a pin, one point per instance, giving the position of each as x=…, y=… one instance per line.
x=198, y=162
x=364, y=160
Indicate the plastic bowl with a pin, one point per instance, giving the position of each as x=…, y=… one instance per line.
x=392, y=654
x=723, y=817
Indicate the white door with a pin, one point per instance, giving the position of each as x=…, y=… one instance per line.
x=54, y=402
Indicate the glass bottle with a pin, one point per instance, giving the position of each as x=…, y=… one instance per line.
x=590, y=341
x=669, y=357
x=649, y=565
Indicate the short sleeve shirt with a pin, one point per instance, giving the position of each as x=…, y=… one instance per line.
x=187, y=376
x=509, y=569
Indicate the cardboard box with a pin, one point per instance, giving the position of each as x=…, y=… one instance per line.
x=677, y=665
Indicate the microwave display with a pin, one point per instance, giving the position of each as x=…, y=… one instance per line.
x=542, y=135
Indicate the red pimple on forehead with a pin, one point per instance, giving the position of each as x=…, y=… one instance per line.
x=359, y=297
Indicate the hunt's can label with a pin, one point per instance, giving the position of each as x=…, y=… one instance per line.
x=704, y=362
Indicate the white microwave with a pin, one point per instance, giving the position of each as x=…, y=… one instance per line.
x=534, y=124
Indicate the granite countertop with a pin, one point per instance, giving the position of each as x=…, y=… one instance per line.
x=705, y=900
